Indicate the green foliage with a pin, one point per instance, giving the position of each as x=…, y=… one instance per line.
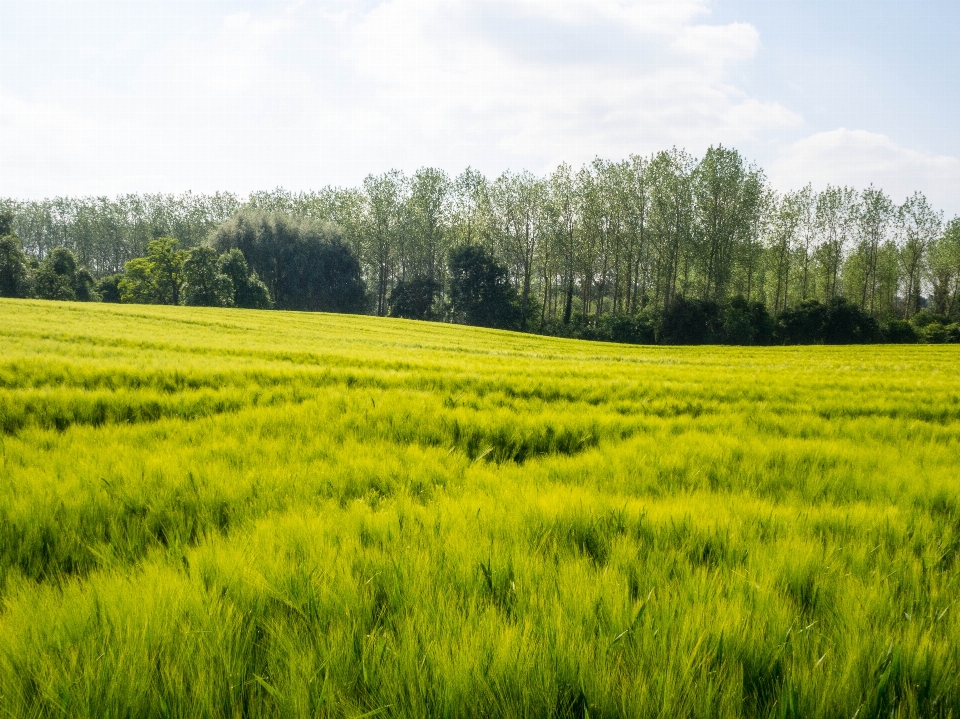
x=166, y=269
x=109, y=287
x=85, y=286
x=900, y=332
x=50, y=285
x=746, y=323
x=204, y=285
x=212, y=513
x=602, y=251
x=415, y=299
x=729, y=198
x=935, y=328
x=14, y=278
x=62, y=262
x=105, y=233
x=156, y=278
x=6, y=223
x=641, y=329
x=248, y=291
x=59, y=278
x=695, y=322
x=945, y=271
x=330, y=279
x=480, y=292
x=137, y=283
x=54, y=279
x=837, y=322
x=305, y=266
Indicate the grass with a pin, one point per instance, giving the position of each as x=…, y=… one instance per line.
x=221, y=513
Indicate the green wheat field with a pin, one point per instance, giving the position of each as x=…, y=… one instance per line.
x=225, y=513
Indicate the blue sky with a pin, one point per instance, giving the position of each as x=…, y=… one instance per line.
x=127, y=96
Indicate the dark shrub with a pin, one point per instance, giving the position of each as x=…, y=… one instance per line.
x=630, y=330
x=837, y=322
x=415, y=299
x=248, y=291
x=108, y=287
x=746, y=323
x=692, y=322
x=14, y=277
x=847, y=324
x=480, y=290
x=305, y=266
x=801, y=325
x=900, y=332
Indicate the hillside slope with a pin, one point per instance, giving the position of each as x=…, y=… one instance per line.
x=233, y=513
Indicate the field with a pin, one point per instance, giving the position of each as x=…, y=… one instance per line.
x=225, y=513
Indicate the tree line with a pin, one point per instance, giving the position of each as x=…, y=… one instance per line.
x=660, y=248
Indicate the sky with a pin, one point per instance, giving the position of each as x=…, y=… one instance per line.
x=103, y=97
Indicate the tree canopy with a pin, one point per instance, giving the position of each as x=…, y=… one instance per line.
x=305, y=265
x=480, y=291
x=611, y=249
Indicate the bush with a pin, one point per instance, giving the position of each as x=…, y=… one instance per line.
x=900, y=332
x=924, y=318
x=937, y=333
x=746, y=323
x=59, y=278
x=109, y=287
x=14, y=278
x=801, y=325
x=641, y=329
x=480, y=291
x=50, y=285
x=306, y=266
x=204, y=285
x=85, y=287
x=837, y=322
x=848, y=324
x=136, y=283
x=697, y=322
x=415, y=299
x=156, y=278
x=691, y=322
x=248, y=291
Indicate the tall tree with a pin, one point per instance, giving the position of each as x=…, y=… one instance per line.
x=518, y=202
x=14, y=281
x=204, y=285
x=166, y=266
x=920, y=226
x=563, y=212
x=248, y=291
x=383, y=226
x=727, y=193
x=875, y=215
x=945, y=271
x=671, y=212
x=637, y=228
x=306, y=266
x=835, y=221
x=426, y=233
x=480, y=289
x=784, y=232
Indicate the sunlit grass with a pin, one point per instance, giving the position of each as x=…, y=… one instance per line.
x=233, y=513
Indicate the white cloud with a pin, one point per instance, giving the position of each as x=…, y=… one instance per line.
x=325, y=93
x=719, y=44
x=633, y=15
x=859, y=158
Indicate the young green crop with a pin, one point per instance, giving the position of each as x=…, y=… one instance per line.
x=224, y=513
